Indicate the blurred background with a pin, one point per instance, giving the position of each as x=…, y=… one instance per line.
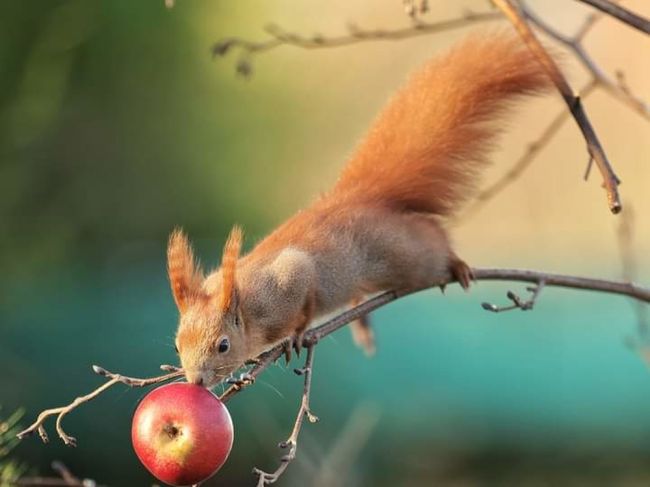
x=116, y=125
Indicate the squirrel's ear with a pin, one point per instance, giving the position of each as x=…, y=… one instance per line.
x=183, y=274
x=228, y=297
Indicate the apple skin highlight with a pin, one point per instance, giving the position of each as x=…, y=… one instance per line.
x=182, y=433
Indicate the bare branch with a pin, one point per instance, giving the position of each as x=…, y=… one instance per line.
x=517, y=302
x=617, y=88
x=267, y=478
x=541, y=279
x=314, y=335
x=60, y=412
x=65, y=473
x=610, y=180
x=482, y=274
x=621, y=13
x=280, y=37
x=65, y=478
x=599, y=79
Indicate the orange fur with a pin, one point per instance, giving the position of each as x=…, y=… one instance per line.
x=184, y=275
x=229, y=267
x=378, y=229
x=425, y=148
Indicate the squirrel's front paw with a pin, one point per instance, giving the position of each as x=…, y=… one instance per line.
x=293, y=343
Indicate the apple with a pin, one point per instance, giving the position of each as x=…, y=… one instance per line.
x=182, y=433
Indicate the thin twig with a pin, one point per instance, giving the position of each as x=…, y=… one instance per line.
x=65, y=473
x=280, y=37
x=617, y=88
x=599, y=79
x=44, y=482
x=65, y=478
x=60, y=412
x=49, y=482
x=267, y=478
x=621, y=13
x=610, y=180
x=517, y=302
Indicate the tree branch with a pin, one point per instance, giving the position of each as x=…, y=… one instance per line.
x=618, y=89
x=599, y=79
x=280, y=37
x=65, y=478
x=615, y=87
x=60, y=412
x=621, y=13
x=266, y=478
x=314, y=335
x=517, y=302
x=481, y=274
x=610, y=180
x=541, y=279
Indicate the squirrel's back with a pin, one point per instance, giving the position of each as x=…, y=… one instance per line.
x=424, y=150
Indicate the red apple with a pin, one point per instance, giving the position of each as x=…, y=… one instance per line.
x=182, y=433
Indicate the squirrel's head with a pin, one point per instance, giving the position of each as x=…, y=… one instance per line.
x=210, y=340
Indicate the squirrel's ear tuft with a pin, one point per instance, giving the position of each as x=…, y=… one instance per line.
x=183, y=273
x=229, y=268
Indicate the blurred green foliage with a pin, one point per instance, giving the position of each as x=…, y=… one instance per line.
x=115, y=126
x=10, y=470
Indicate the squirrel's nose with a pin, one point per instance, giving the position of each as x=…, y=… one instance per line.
x=194, y=378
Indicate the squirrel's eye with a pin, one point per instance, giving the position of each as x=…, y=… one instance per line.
x=224, y=345
x=176, y=348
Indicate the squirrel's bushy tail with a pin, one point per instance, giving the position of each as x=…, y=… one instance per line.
x=425, y=148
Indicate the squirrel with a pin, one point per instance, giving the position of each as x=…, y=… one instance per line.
x=379, y=228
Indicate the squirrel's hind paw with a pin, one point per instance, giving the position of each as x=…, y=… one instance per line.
x=461, y=272
x=363, y=335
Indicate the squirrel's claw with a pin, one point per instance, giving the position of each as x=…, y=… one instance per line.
x=291, y=344
x=286, y=345
x=461, y=272
x=297, y=342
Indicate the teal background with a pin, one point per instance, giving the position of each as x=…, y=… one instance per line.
x=116, y=126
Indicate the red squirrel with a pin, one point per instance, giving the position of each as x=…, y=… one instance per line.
x=379, y=228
